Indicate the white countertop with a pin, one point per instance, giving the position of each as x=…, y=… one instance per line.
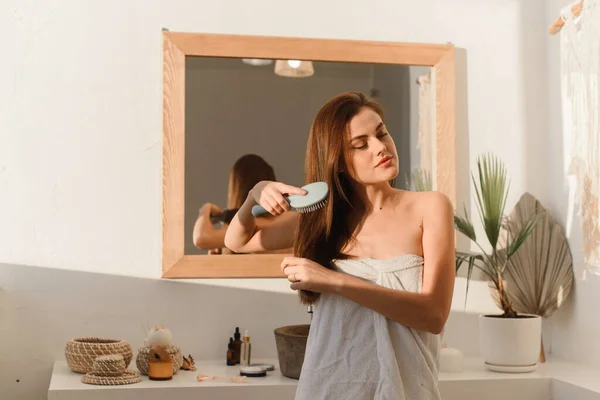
x=555, y=379
x=63, y=378
x=66, y=384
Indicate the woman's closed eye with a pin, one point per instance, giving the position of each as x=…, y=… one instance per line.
x=359, y=145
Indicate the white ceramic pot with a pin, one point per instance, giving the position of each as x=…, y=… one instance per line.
x=451, y=360
x=510, y=344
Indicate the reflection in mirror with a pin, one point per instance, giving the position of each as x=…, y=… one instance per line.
x=248, y=120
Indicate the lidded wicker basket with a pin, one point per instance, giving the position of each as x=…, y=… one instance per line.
x=111, y=365
x=110, y=370
x=80, y=353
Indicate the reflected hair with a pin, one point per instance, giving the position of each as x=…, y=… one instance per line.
x=247, y=171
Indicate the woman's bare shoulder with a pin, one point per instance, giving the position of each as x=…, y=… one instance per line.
x=430, y=203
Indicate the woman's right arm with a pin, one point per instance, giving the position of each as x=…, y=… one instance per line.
x=204, y=235
x=245, y=236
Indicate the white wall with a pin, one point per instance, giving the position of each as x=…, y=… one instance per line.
x=576, y=326
x=80, y=151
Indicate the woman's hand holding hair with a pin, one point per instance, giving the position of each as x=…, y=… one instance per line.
x=308, y=275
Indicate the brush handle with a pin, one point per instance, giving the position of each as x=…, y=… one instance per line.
x=226, y=217
x=258, y=210
x=316, y=194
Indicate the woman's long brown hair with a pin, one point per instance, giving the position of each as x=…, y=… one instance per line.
x=247, y=171
x=321, y=235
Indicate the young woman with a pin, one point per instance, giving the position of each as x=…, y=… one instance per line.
x=246, y=172
x=377, y=261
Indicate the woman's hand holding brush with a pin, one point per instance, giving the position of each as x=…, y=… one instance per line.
x=270, y=195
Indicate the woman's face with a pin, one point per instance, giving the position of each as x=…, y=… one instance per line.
x=373, y=155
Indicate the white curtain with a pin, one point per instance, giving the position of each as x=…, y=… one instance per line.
x=580, y=75
x=426, y=143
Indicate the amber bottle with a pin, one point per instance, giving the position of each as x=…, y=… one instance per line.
x=237, y=344
x=231, y=354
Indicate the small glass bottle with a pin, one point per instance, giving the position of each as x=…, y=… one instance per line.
x=246, y=349
x=231, y=357
x=237, y=345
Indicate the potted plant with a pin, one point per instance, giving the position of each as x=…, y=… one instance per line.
x=510, y=341
x=419, y=180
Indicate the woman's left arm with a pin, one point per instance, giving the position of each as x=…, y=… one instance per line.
x=427, y=310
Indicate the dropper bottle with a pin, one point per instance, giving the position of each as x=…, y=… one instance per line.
x=246, y=349
x=231, y=358
x=237, y=343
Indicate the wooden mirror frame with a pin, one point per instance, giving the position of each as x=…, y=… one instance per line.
x=177, y=45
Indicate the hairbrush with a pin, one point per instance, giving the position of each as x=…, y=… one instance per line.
x=226, y=217
x=315, y=198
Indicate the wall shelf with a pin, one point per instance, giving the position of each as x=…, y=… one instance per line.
x=556, y=379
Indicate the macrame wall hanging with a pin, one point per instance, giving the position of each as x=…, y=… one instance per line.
x=579, y=26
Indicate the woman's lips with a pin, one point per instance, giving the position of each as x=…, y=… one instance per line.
x=384, y=162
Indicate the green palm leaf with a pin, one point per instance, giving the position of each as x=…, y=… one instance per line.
x=491, y=189
x=491, y=195
x=464, y=226
x=419, y=181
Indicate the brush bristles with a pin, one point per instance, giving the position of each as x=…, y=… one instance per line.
x=314, y=207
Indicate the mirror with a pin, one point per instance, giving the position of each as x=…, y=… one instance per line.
x=245, y=122
x=238, y=109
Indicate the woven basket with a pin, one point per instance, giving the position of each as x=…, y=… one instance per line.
x=81, y=352
x=129, y=377
x=111, y=365
x=110, y=370
x=144, y=354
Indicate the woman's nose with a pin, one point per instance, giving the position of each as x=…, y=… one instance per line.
x=379, y=147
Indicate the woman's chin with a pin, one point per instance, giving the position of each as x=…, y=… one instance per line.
x=380, y=179
x=389, y=174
